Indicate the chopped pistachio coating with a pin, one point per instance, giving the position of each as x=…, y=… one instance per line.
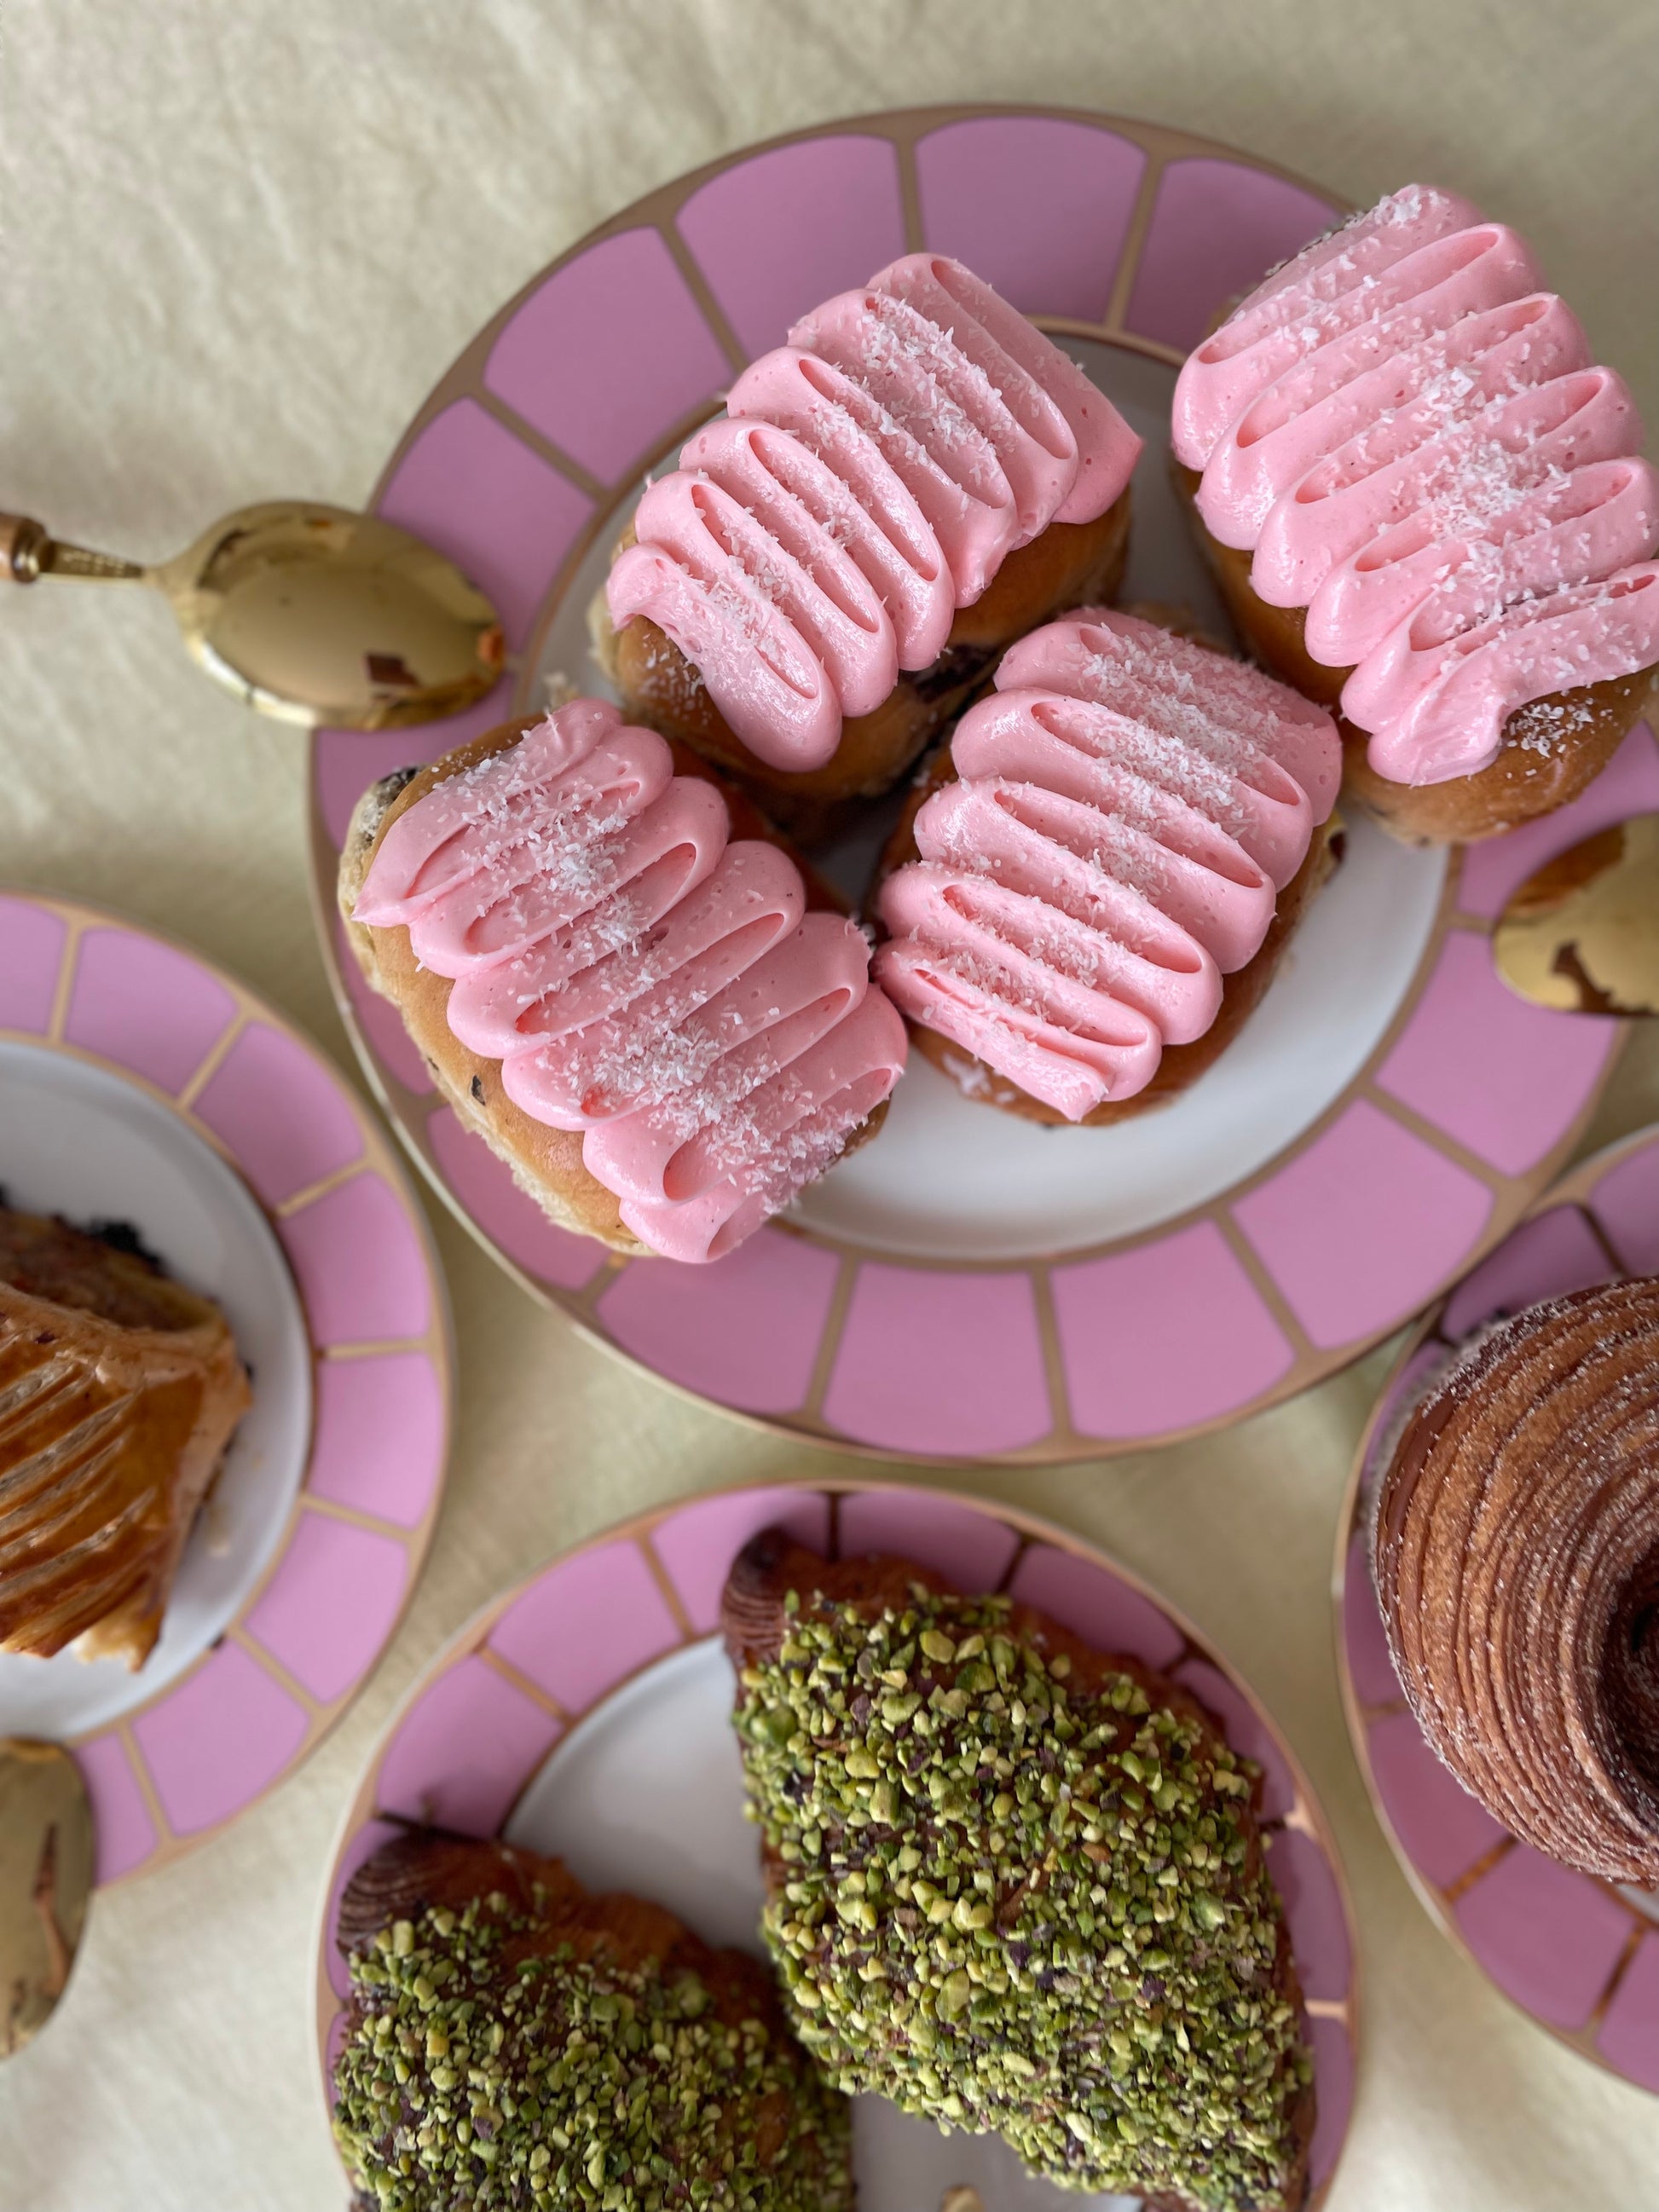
x=566, y=2083
x=1021, y=1909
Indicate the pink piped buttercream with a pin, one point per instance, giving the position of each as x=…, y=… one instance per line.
x=868, y=479
x=1411, y=441
x=1127, y=806
x=640, y=978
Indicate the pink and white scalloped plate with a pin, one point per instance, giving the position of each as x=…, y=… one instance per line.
x=1579, y=1954
x=586, y=1714
x=970, y=1286
x=143, y=1084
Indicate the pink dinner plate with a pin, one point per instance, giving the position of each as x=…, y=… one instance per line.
x=586, y=1714
x=1578, y=1955
x=971, y=1287
x=141, y=1085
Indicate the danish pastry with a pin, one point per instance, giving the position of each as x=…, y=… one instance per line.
x=119, y=1391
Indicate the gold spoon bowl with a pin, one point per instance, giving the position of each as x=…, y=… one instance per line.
x=312, y=613
x=46, y=1861
x=1581, y=933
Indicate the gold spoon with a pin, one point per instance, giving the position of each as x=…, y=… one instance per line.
x=311, y=613
x=45, y=1879
x=1581, y=933
x=961, y=2199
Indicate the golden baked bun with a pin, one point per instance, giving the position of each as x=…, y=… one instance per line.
x=1069, y=565
x=1532, y=774
x=119, y=1391
x=546, y=1163
x=1181, y=1064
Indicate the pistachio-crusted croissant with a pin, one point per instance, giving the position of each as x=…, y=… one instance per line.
x=119, y=1391
x=513, y=2040
x=1017, y=1884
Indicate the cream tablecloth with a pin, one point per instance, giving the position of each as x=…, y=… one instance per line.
x=241, y=240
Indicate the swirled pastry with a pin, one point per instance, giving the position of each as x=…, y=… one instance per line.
x=636, y=1010
x=1017, y=1884
x=1098, y=880
x=1422, y=497
x=119, y=1391
x=512, y=2041
x=1518, y=1567
x=912, y=482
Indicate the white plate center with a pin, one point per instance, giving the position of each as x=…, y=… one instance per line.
x=77, y=1140
x=950, y=1179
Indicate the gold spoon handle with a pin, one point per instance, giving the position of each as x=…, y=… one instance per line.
x=28, y=550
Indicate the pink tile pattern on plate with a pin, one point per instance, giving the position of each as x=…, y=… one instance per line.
x=587, y=1624
x=225, y=1734
x=1355, y=1229
x=1333, y=2055
x=1313, y=1907
x=1037, y=206
x=346, y=761
x=1629, y=784
x=464, y=1750
x=379, y=1446
x=330, y=1604
x=1630, y=2033
x=1547, y=1936
x=970, y=1547
x=940, y=1362
x=697, y=1545
x=505, y=515
x=149, y=1006
x=757, y=231
x=1097, y=1606
x=286, y=1117
x=608, y=354
x=1244, y=1729
x=381, y=1024
x=1544, y=1258
x=1442, y=1829
x=1626, y=1204
x=125, y=1832
x=359, y=1848
x=744, y=1331
x=488, y=1196
x=1166, y=1334
x=1217, y=228
x=31, y=953
x=360, y=1265
x=1370, y=1670
x=1505, y=1077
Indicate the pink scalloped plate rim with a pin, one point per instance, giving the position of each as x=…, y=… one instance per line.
x=1575, y=1954
x=1103, y=227
x=176, y=1769
x=475, y=1730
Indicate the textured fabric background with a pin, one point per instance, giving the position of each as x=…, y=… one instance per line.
x=242, y=238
